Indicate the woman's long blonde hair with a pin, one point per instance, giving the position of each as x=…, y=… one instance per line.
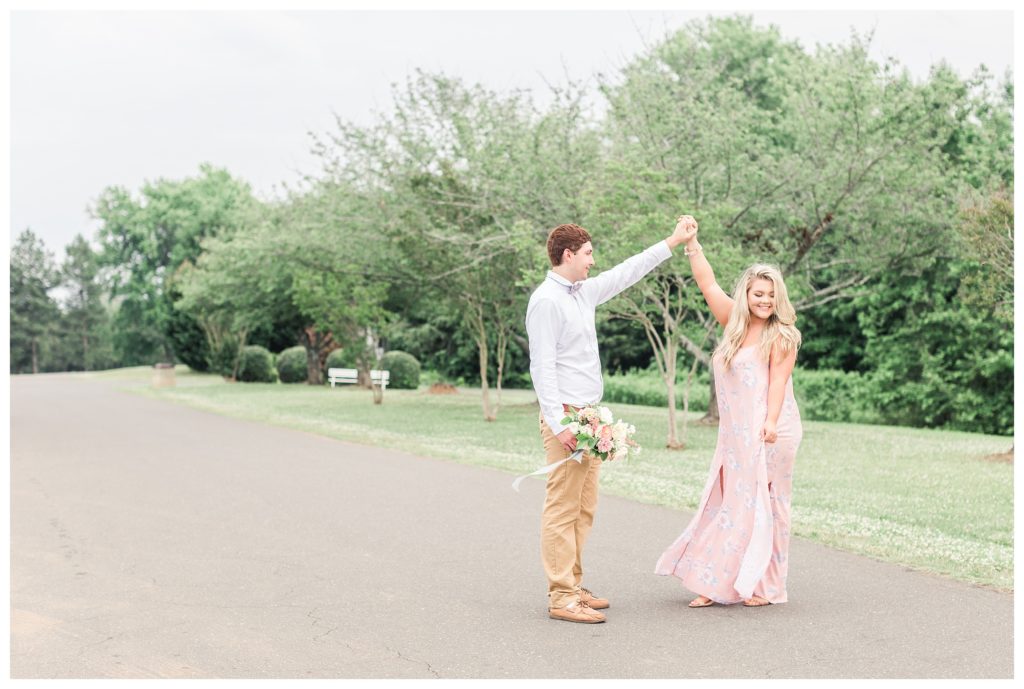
x=780, y=327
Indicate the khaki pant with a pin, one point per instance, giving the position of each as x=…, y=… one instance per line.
x=568, y=515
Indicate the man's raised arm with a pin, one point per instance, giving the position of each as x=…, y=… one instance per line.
x=609, y=283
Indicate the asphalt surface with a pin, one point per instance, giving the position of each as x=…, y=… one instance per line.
x=154, y=540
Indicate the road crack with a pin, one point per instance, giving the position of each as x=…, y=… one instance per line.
x=414, y=660
x=316, y=623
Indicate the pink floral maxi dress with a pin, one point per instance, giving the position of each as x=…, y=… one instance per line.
x=737, y=544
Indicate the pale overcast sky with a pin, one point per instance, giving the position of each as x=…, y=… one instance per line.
x=114, y=98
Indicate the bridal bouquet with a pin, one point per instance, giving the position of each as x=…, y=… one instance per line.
x=597, y=434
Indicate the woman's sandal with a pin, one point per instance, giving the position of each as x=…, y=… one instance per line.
x=756, y=602
x=704, y=602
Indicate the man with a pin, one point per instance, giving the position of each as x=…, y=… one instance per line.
x=566, y=372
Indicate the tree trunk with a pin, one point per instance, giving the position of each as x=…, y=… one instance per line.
x=363, y=375
x=322, y=352
x=489, y=414
x=378, y=389
x=501, y=353
x=670, y=383
x=711, y=417
x=363, y=367
x=686, y=398
x=485, y=395
x=317, y=345
x=475, y=317
x=672, y=442
x=35, y=356
x=367, y=360
x=312, y=363
x=85, y=351
x=243, y=337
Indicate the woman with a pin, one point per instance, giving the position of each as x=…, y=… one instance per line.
x=736, y=547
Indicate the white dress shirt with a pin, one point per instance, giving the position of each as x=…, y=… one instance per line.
x=564, y=361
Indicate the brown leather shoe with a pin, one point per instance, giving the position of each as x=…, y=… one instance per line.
x=590, y=600
x=577, y=612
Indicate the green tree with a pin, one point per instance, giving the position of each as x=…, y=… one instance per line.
x=312, y=267
x=935, y=360
x=146, y=238
x=344, y=274
x=85, y=315
x=34, y=313
x=980, y=147
x=468, y=178
x=828, y=165
x=987, y=230
x=236, y=287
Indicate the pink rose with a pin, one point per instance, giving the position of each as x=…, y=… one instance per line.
x=604, y=444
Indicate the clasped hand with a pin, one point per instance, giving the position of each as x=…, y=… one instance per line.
x=686, y=228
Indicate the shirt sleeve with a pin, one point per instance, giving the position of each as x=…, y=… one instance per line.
x=543, y=326
x=600, y=289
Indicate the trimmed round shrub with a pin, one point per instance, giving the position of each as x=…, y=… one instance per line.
x=405, y=370
x=256, y=365
x=293, y=365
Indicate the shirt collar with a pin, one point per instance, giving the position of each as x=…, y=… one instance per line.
x=572, y=287
x=559, y=279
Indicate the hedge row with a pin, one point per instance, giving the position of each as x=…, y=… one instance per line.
x=823, y=395
x=648, y=388
x=258, y=365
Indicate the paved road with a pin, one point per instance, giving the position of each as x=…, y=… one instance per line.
x=154, y=540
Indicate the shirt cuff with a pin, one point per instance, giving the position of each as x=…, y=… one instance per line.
x=555, y=423
x=661, y=250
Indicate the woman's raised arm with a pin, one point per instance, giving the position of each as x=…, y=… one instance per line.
x=718, y=301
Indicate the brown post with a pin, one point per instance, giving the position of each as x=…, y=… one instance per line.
x=163, y=375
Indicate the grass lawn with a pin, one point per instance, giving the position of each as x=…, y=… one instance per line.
x=922, y=498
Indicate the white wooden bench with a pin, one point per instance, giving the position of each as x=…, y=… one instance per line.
x=342, y=375
x=351, y=376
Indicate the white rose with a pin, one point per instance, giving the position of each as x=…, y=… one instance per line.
x=606, y=415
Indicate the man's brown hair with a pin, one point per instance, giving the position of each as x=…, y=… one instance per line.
x=563, y=237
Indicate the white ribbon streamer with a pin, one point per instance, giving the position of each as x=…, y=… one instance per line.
x=577, y=456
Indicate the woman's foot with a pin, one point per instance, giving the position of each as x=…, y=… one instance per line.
x=756, y=602
x=701, y=602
